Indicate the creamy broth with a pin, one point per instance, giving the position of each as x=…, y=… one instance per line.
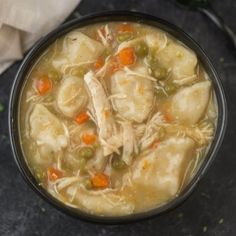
x=116, y=118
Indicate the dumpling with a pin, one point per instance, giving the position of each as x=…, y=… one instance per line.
x=160, y=170
x=189, y=104
x=46, y=129
x=99, y=204
x=153, y=40
x=72, y=96
x=132, y=94
x=156, y=40
x=182, y=61
x=78, y=48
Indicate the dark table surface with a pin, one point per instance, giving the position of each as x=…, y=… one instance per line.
x=210, y=210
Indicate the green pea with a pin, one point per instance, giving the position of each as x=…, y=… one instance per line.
x=82, y=163
x=118, y=164
x=159, y=73
x=153, y=62
x=160, y=93
x=54, y=75
x=107, y=52
x=80, y=71
x=141, y=49
x=39, y=174
x=49, y=98
x=87, y=183
x=86, y=152
x=124, y=36
x=170, y=88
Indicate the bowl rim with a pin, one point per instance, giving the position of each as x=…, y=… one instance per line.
x=107, y=16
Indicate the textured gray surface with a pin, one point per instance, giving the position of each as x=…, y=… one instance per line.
x=211, y=209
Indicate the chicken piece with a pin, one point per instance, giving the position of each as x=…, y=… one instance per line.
x=109, y=135
x=129, y=143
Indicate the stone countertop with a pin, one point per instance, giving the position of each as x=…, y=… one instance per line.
x=210, y=210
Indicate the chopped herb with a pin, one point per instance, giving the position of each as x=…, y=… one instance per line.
x=221, y=221
x=43, y=209
x=204, y=229
x=222, y=59
x=1, y=107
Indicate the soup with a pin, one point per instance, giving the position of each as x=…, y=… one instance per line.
x=116, y=118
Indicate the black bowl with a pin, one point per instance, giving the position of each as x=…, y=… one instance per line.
x=38, y=49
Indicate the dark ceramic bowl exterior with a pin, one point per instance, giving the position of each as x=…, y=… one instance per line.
x=38, y=49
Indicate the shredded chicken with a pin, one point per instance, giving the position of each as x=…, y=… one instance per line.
x=107, y=37
x=108, y=132
x=130, y=147
x=185, y=80
x=152, y=131
x=130, y=72
x=201, y=133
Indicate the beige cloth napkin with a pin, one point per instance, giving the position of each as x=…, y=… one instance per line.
x=23, y=22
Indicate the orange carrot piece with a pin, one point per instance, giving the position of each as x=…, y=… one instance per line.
x=106, y=114
x=168, y=118
x=125, y=28
x=155, y=144
x=100, y=180
x=54, y=174
x=82, y=118
x=145, y=164
x=127, y=56
x=43, y=85
x=99, y=63
x=88, y=138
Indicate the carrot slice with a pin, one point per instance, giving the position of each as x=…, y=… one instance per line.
x=82, y=118
x=88, y=138
x=168, y=118
x=43, y=85
x=155, y=144
x=125, y=28
x=100, y=180
x=99, y=63
x=54, y=174
x=127, y=56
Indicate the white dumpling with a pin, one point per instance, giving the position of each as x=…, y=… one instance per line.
x=105, y=204
x=132, y=94
x=181, y=60
x=188, y=105
x=72, y=96
x=78, y=48
x=156, y=40
x=46, y=129
x=160, y=170
x=152, y=39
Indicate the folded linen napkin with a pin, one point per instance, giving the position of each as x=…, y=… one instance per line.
x=23, y=22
